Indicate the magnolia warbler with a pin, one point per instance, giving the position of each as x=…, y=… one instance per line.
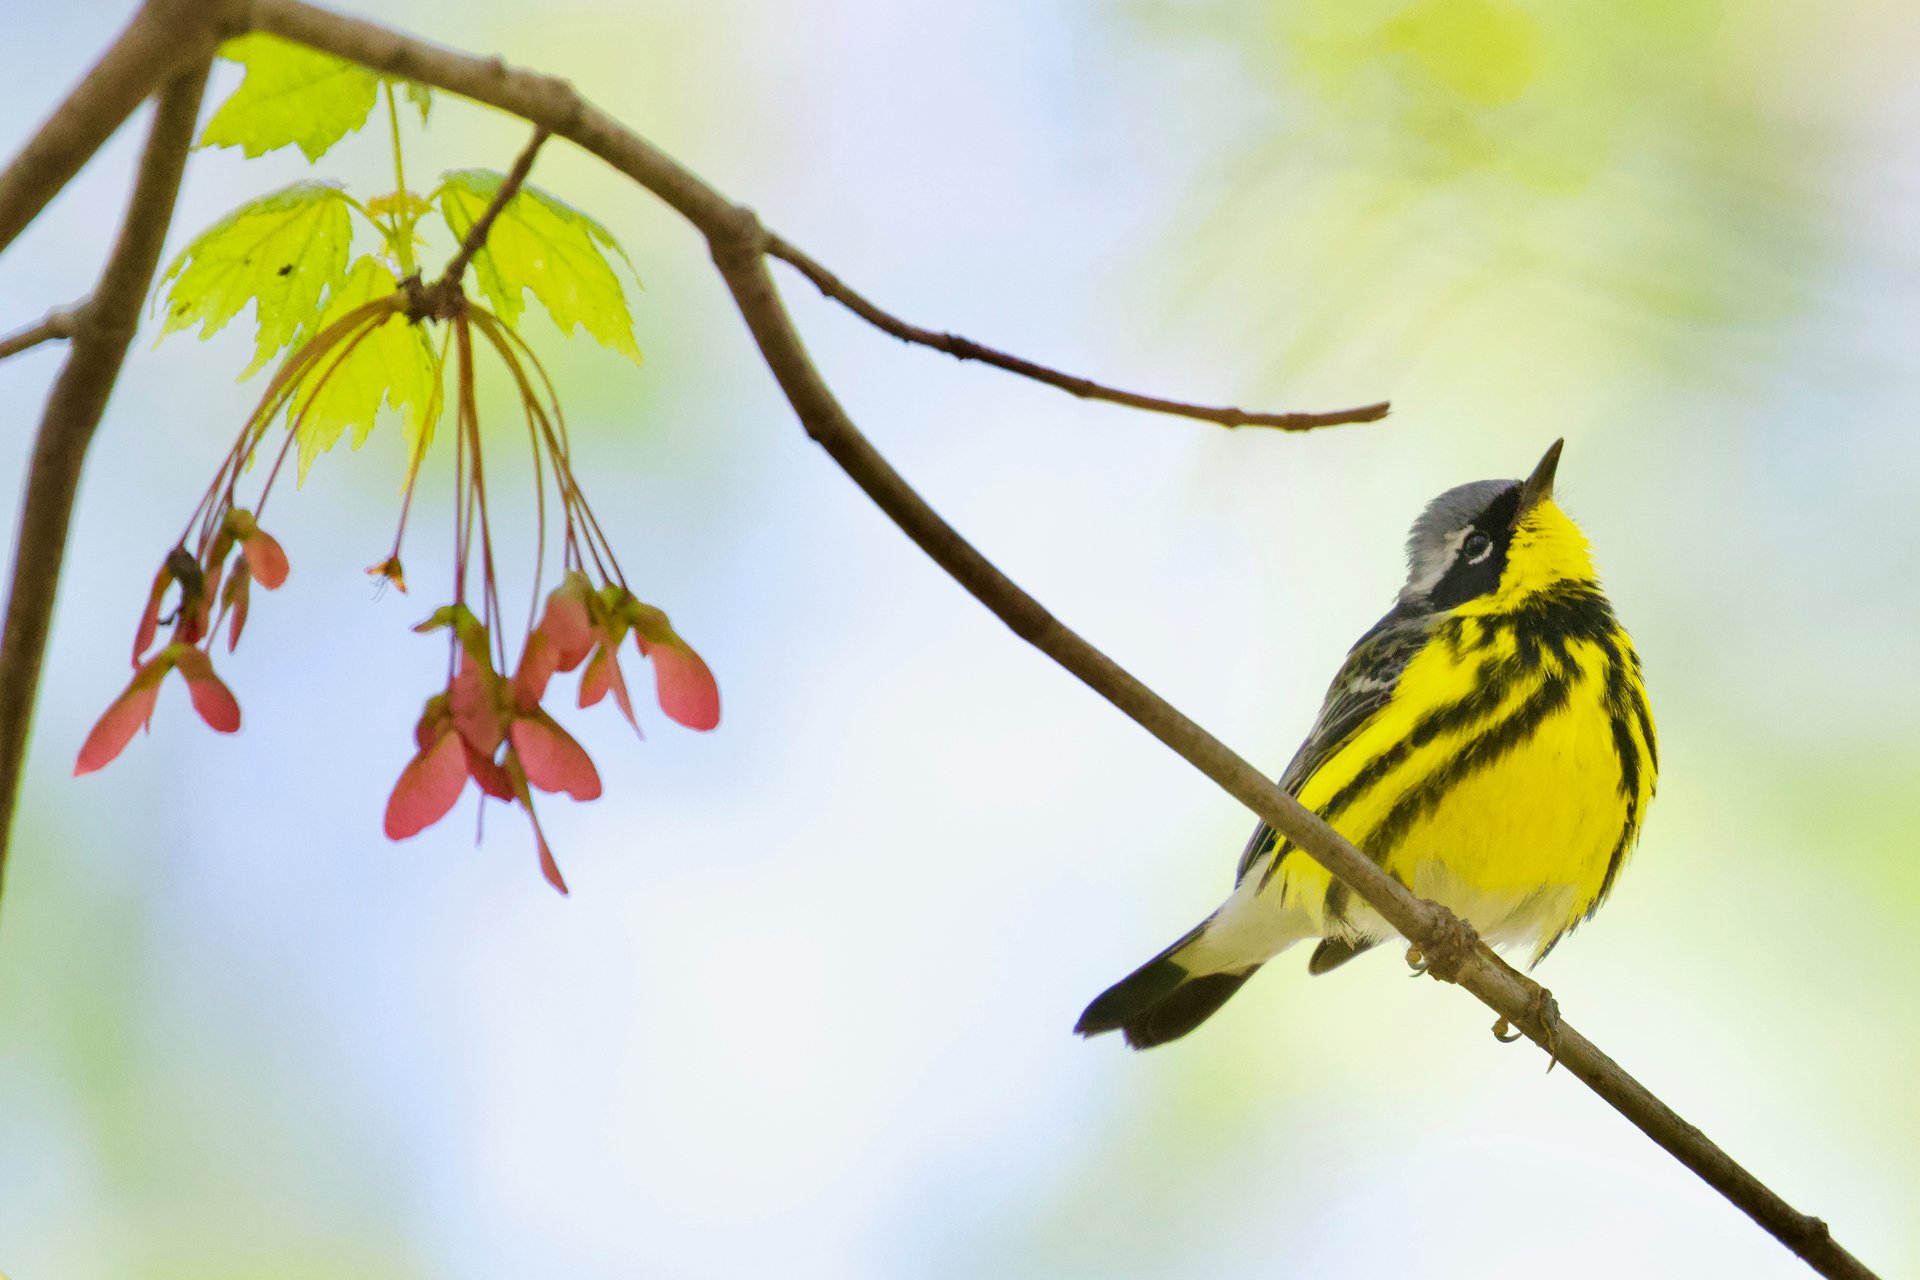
x=1488, y=743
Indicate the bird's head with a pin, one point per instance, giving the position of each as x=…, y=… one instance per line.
x=1493, y=543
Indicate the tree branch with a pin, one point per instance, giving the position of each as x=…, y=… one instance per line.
x=73, y=410
x=446, y=297
x=476, y=236
x=61, y=322
x=740, y=248
x=160, y=38
x=967, y=349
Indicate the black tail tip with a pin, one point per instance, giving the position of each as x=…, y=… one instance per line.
x=1128, y=998
x=1159, y=1004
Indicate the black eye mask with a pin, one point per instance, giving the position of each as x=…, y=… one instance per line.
x=1465, y=579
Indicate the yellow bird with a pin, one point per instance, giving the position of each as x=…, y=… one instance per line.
x=1488, y=743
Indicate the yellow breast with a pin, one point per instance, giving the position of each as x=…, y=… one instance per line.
x=1505, y=778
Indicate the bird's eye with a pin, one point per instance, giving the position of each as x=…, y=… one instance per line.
x=1477, y=547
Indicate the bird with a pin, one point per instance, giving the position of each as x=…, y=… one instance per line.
x=1488, y=743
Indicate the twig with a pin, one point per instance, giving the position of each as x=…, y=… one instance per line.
x=476, y=236
x=445, y=298
x=73, y=410
x=160, y=38
x=967, y=349
x=740, y=247
x=59, y=323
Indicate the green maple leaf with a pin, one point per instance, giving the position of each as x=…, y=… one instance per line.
x=393, y=363
x=547, y=247
x=291, y=96
x=282, y=252
x=296, y=96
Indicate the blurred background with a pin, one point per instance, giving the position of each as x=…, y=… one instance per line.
x=807, y=1011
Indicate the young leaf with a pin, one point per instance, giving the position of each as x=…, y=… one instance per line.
x=418, y=94
x=282, y=252
x=395, y=363
x=292, y=96
x=545, y=246
x=399, y=204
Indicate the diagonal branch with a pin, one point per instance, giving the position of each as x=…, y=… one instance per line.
x=59, y=323
x=159, y=39
x=73, y=410
x=446, y=297
x=967, y=349
x=476, y=236
x=740, y=248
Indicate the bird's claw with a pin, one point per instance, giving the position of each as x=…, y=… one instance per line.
x=1416, y=962
x=1544, y=1011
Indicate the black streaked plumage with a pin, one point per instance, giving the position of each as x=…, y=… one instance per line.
x=1511, y=638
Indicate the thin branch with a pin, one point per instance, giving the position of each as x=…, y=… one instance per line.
x=967, y=349
x=73, y=410
x=476, y=236
x=60, y=323
x=160, y=39
x=740, y=247
x=445, y=298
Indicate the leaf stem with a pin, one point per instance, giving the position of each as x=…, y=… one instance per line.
x=469, y=420
x=403, y=219
x=532, y=412
x=297, y=418
x=417, y=452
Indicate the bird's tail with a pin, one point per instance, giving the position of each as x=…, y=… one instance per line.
x=1170, y=994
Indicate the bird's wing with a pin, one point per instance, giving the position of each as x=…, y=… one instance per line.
x=1365, y=682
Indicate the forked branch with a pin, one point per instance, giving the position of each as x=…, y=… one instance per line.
x=61, y=322
x=163, y=36
x=445, y=297
x=476, y=237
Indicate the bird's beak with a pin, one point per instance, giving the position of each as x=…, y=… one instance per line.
x=1539, y=485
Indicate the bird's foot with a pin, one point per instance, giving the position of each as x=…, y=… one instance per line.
x=1543, y=1012
x=1546, y=1011
x=1416, y=962
x=1448, y=947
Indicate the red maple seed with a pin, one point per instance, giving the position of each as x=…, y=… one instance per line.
x=683, y=684
x=429, y=786
x=258, y=550
x=116, y=727
x=567, y=622
x=462, y=730
x=212, y=699
x=235, y=598
x=553, y=761
x=134, y=707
